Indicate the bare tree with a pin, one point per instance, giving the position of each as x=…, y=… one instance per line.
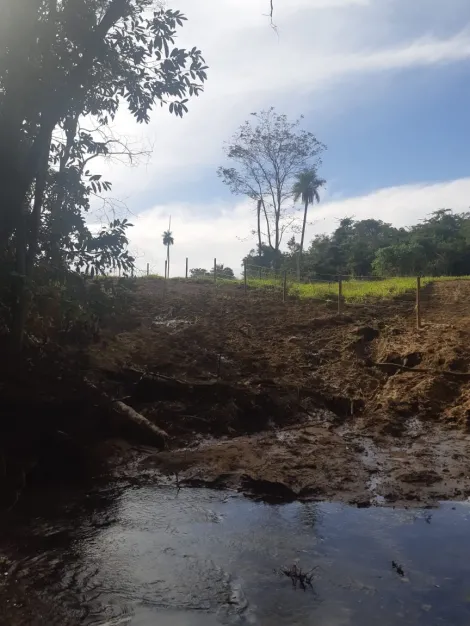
x=268, y=154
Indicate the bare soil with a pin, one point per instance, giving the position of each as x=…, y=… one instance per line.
x=293, y=401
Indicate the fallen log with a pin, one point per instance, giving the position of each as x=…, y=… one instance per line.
x=153, y=433
x=125, y=416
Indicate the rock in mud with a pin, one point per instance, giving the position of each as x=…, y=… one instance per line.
x=367, y=333
x=267, y=490
x=428, y=477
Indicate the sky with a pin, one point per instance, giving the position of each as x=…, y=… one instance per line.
x=385, y=84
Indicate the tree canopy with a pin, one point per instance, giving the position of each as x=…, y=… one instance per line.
x=222, y=272
x=66, y=68
x=439, y=245
x=267, y=154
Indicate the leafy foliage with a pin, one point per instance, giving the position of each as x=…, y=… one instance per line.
x=266, y=258
x=83, y=58
x=223, y=272
x=107, y=249
x=168, y=239
x=198, y=272
x=66, y=68
x=438, y=246
x=306, y=189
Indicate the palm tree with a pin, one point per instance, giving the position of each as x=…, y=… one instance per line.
x=168, y=241
x=306, y=189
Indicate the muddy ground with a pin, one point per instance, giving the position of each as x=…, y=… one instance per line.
x=291, y=400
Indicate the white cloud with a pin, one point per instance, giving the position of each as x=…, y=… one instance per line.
x=402, y=206
x=320, y=43
x=224, y=236
x=227, y=237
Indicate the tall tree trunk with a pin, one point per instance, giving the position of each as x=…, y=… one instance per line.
x=277, y=231
x=70, y=127
x=302, y=238
x=18, y=174
x=39, y=191
x=168, y=260
x=268, y=228
x=19, y=287
x=18, y=33
x=278, y=219
x=259, y=229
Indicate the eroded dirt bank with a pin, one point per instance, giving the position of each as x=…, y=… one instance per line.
x=291, y=400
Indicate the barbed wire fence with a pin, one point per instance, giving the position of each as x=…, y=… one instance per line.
x=343, y=293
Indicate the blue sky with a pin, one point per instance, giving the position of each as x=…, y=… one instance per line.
x=384, y=83
x=417, y=129
x=418, y=124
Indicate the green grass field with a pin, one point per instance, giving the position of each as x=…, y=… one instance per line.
x=353, y=290
x=359, y=290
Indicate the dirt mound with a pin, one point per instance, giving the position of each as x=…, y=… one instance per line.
x=250, y=363
x=284, y=399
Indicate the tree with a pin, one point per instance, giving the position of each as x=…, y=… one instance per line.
x=268, y=154
x=437, y=246
x=168, y=241
x=403, y=259
x=306, y=189
x=223, y=272
x=59, y=234
x=199, y=272
x=267, y=258
x=88, y=56
x=62, y=60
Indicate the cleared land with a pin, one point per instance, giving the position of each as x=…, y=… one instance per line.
x=353, y=290
x=290, y=400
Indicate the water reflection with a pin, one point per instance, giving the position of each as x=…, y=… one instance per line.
x=200, y=557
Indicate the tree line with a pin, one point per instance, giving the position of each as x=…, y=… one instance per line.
x=276, y=164
x=436, y=246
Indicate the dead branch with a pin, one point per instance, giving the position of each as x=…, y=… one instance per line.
x=298, y=577
x=127, y=416
x=420, y=370
x=156, y=434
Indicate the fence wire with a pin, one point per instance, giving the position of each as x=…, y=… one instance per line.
x=343, y=292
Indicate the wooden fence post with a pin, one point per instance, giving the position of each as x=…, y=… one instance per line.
x=418, y=302
x=166, y=269
x=148, y=269
x=340, y=295
x=215, y=270
x=244, y=276
x=284, y=286
x=186, y=267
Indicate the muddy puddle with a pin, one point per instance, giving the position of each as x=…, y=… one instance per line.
x=152, y=555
